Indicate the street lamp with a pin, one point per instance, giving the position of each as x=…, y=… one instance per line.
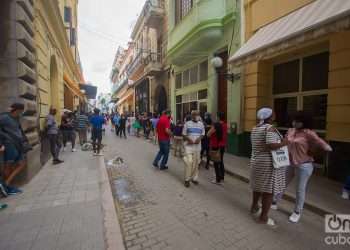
x=217, y=63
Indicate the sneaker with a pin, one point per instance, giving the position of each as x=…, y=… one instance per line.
x=58, y=161
x=274, y=206
x=3, y=190
x=295, y=217
x=345, y=195
x=155, y=165
x=163, y=168
x=187, y=184
x=13, y=190
x=195, y=182
x=3, y=206
x=215, y=182
x=74, y=150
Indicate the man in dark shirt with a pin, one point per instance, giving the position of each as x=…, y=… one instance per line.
x=122, y=126
x=16, y=144
x=97, y=122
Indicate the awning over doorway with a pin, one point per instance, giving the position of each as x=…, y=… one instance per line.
x=309, y=22
x=90, y=91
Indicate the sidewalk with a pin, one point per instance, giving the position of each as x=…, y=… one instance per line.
x=323, y=195
x=67, y=206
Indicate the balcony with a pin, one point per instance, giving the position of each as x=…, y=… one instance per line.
x=153, y=63
x=151, y=15
x=200, y=29
x=135, y=64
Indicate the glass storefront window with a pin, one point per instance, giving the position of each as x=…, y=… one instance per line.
x=308, y=93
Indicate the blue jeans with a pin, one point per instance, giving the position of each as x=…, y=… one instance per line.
x=347, y=184
x=163, y=154
x=303, y=173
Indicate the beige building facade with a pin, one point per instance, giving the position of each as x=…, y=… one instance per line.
x=38, y=66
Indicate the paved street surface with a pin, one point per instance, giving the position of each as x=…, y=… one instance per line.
x=158, y=212
x=59, y=209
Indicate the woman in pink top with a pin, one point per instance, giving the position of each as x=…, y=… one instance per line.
x=302, y=141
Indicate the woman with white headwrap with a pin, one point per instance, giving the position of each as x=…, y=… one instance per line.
x=265, y=179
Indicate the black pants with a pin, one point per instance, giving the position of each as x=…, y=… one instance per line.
x=117, y=130
x=220, y=167
x=122, y=131
x=55, y=145
x=96, y=136
x=205, y=150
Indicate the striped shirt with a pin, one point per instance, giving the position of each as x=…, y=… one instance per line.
x=193, y=130
x=82, y=122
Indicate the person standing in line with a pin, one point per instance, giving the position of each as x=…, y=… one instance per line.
x=265, y=179
x=302, y=144
x=82, y=126
x=154, y=122
x=218, y=141
x=67, y=128
x=116, y=121
x=52, y=133
x=205, y=140
x=122, y=126
x=137, y=126
x=97, y=122
x=15, y=144
x=164, y=133
x=178, y=139
x=193, y=133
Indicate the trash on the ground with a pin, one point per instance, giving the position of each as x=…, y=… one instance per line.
x=86, y=146
x=116, y=162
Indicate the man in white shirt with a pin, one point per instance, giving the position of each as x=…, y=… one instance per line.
x=193, y=133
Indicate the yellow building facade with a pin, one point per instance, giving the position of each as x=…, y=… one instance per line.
x=58, y=65
x=296, y=57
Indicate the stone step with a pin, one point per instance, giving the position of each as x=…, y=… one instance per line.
x=29, y=122
x=24, y=37
x=26, y=90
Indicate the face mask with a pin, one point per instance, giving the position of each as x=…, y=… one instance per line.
x=297, y=125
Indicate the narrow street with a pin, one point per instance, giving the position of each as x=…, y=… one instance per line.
x=158, y=212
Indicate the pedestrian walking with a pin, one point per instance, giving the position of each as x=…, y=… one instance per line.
x=178, y=139
x=265, y=179
x=303, y=144
x=205, y=140
x=122, y=126
x=97, y=121
x=82, y=127
x=164, y=133
x=15, y=144
x=193, y=133
x=154, y=122
x=137, y=126
x=67, y=128
x=52, y=133
x=116, y=121
x=218, y=142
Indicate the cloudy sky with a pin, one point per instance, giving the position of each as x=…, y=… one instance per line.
x=103, y=26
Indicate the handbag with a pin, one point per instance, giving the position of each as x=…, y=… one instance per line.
x=215, y=155
x=280, y=157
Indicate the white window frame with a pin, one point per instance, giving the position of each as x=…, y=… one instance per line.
x=300, y=94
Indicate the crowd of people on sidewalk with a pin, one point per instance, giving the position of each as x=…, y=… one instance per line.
x=275, y=160
x=14, y=144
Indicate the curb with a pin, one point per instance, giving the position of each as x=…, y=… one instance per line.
x=288, y=197
x=113, y=234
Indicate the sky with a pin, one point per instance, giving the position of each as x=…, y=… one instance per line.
x=104, y=25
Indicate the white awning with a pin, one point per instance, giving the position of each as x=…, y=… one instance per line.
x=309, y=22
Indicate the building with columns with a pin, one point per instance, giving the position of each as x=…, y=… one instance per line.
x=39, y=65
